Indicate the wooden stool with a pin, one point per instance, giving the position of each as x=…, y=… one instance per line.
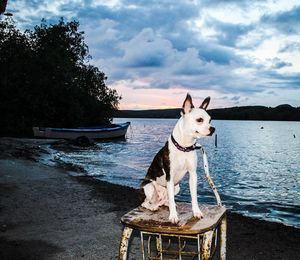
x=204, y=232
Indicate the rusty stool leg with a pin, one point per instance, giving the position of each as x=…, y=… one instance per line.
x=223, y=238
x=206, y=245
x=124, y=243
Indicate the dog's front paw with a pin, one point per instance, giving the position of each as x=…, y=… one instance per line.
x=197, y=213
x=174, y=218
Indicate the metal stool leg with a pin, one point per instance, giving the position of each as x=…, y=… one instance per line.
x=223, y=238
x=124, y=243
x=206, y=245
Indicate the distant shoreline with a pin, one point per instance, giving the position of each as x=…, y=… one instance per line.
x=279, y=113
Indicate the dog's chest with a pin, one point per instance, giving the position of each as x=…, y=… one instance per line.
x=181, y=163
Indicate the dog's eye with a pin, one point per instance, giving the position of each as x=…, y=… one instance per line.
x=199, y=120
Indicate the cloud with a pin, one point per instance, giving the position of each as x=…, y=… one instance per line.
x=274, y=79
x=291, y=47
x=287, y=22
x=218, y=54
x=272, y=92
x=154, y=59
x=228, y=33
x=210, y=45
x=188, y=63
x=146, y=50
x=276, y=63
x=235, y=98
x=103, y=37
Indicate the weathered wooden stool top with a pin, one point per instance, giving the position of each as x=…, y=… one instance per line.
x=157, y=222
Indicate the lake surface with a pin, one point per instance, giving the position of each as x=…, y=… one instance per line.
x=256, y=165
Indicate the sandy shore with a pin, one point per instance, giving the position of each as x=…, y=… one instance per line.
x=47, y=214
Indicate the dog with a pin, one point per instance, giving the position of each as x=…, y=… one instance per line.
x=175, y=159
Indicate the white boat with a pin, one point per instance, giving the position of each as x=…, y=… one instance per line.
x=101, y=132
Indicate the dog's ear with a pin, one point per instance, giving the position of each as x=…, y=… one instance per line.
x=205, y=103
x=187, y=104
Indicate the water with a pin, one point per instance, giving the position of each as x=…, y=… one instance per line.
x=256, y=171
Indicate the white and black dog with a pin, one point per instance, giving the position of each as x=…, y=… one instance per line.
x=175, y=159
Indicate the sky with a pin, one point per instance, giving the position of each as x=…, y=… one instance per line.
x=237, y=52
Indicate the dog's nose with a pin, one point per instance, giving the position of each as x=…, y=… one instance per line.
x=212, y=130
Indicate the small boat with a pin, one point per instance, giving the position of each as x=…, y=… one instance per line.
x=100, y=132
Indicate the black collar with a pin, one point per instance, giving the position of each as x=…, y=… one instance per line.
x=184, y=149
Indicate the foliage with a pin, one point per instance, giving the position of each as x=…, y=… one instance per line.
x=46, y=79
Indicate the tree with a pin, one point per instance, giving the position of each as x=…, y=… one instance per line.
x=48, y=81
x=15, y=56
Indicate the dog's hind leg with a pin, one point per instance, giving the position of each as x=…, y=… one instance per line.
x=160, y=191
x=150, y=199
x=162, y=194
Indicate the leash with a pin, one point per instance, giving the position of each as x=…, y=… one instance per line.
x=205, y=164
x=207, y=175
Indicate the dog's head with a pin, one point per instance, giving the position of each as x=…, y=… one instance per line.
x=196, y=120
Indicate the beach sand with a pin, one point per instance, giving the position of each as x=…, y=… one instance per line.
x=47, y=214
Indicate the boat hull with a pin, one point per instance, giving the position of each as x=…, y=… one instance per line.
x=117, y=131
